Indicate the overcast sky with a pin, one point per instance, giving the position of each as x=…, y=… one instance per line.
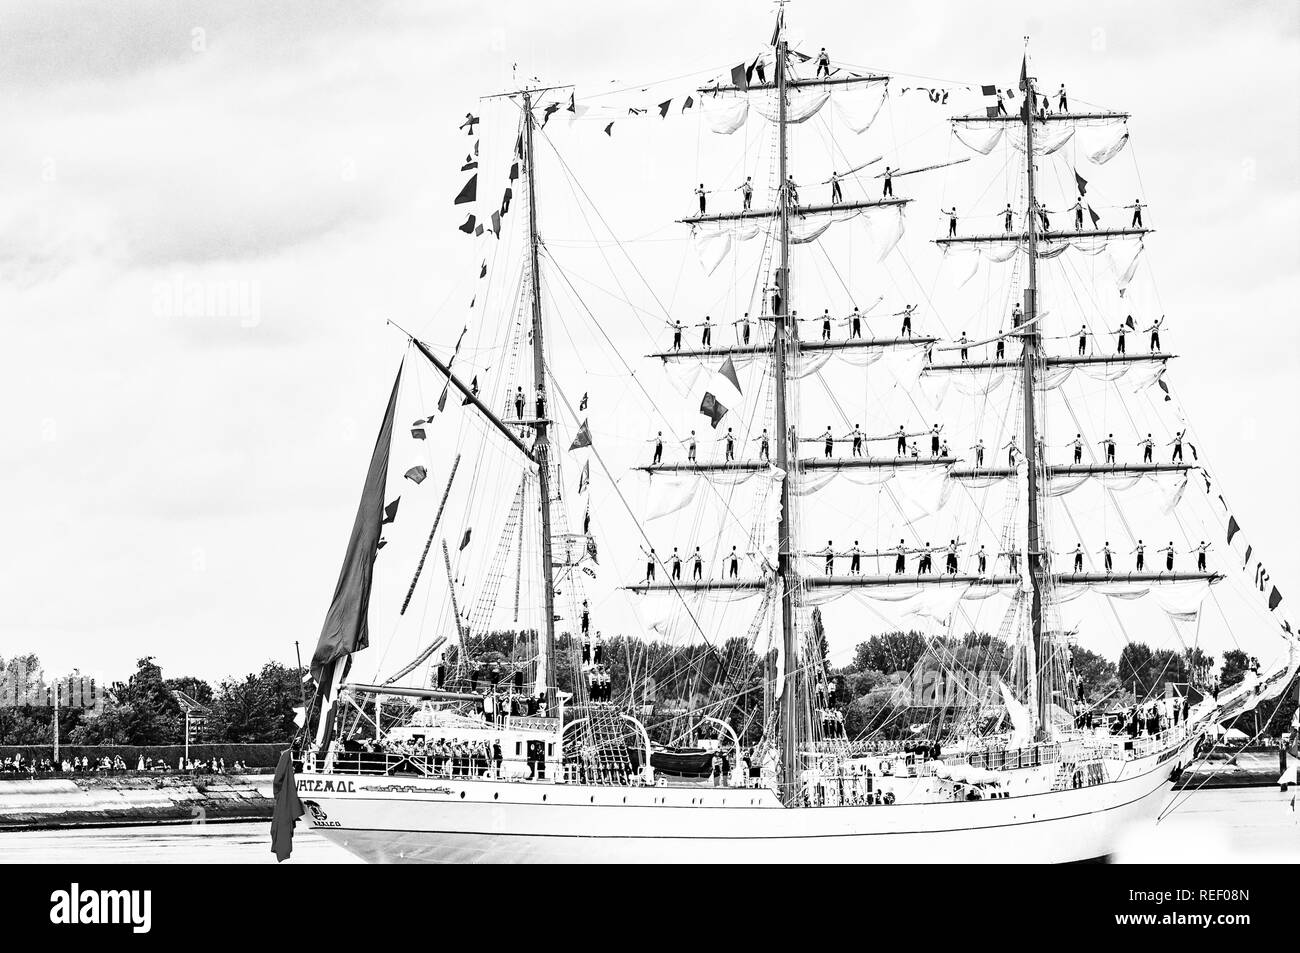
x=181, y=485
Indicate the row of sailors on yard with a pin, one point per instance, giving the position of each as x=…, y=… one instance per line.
x=925, y=558
x=496, y=706
x=789, y=192
x=905, y=445
x=1009, y=215
x=854, y=320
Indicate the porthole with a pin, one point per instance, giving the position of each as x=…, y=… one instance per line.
x=462, y=795
x=495, y=795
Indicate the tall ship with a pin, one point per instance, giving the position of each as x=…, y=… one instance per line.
x=829, y=448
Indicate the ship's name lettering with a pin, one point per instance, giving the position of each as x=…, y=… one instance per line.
x=326, y=786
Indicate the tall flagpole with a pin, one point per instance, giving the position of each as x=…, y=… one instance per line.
x=541, y=448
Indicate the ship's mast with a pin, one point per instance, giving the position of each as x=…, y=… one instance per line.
x=785, y=567
x=1032, y=340
x=541, y=447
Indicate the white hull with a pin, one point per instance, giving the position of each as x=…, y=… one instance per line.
x=389, y=819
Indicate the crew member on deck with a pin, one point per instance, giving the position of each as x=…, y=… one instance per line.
x=701, y=193
x=888, y=190
x=952, y=220
x=1147, y=446
x=979, y=452
x=1109, y=446
x=1141, y=551
x=1177, y=444
x=1106, y=554
x=1200, y=555
x=1077, y=443
x=1169, y=555
x=1137, y=208
x=1155, y=333
x=747, y=192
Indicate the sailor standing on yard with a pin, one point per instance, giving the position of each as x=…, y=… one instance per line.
x=658, y=441
x=855, y=323
x=697, y=565
x=706, y=336
x=677, y=335
x=1169, y=555
x=979, y=452
x=1106, y=554
x=823, y=64
x=1109, y=446
x=982, y=560
x=1177, y=444
x=964, y=342
x=1119, y=341
x=907, y=319
x=952, y=220
x=855, y=560
x=1137, y=208
x=650, y=566
x=746, y=190
x=902, y=441
x=856, y=435
x=729, y=444
x=1062, y=103
x=888, y=189
x=701, y=193
x=1141, y=551
x=519, y=402
x=1200, y=555
x=836, y=195
x=1077, y=443
x=829, y=553
x=829, y=441
x=951, y=567
x=1147, y=446
x=1011, y=450
x=826, y=324
x=1006, y=218
x=1083, y=340
x=934, y=440
x=744, y=328
x=733, y=562
x=1077, y=208
x=676, y=564
x=762, y=445
x=1077, y=552
x=690, y=448
x=1155, y=333
x=900, y=558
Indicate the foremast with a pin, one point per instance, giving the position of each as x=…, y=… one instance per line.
x=541, y=445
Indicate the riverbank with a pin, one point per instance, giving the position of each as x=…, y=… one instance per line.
x=132, y=799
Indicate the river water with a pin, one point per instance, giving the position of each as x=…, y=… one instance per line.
x=1221, y=826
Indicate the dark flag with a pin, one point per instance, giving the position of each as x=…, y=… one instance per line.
x=1249, y=549
x=712, y=409
x=728, y=370
x=519, y=146
x=582, y=404
x=390, y=511
x=548, y=112
x=634, y=111
x=663, y=108
x=483, y=268
x=347, y=629
x=464, y=540
x=1024, y=73
x=591, y=549
x=442, y=398
x=514, y=171
x=688, y=104
x=780, y=22
x=287, y=810
x=496, y=224
x=417, y=433
x=583, y=439
x=505, y=200
x=470, y=191
x=740, y=77
x=478, y=230
x=1081, y=182
x=416, y=474
x=468, y=227
x=1233, y=528
x=584, y=478
x=1094, y=216
x=573, y=106
x=473, y=387
x=468, y=125
x=469, y=165
x=1274, y=599
x=609, y=130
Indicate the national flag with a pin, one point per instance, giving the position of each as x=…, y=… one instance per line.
x=469, y=192
x=591, y=549
x=713, y=409
x=1024, y=73
x=1081, y=182
x=728, y=370
x=583, y=438
x=740, y=77
x=465, y=539
x=780, y=25
x=584, y=478
x=390, y=511
x=1094, y=216
x=663, y=108
x=548, y=112
x=1274, y=599
x=470, y=122
x=416, y=475
x=1233, y=528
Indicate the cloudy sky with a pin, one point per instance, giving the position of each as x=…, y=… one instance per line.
x=180, y=481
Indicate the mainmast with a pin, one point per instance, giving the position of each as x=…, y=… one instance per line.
x=1032, y=339
x=785, y=565
x=541, y=447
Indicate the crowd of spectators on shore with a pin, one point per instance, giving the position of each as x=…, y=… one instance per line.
x=80, y=764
